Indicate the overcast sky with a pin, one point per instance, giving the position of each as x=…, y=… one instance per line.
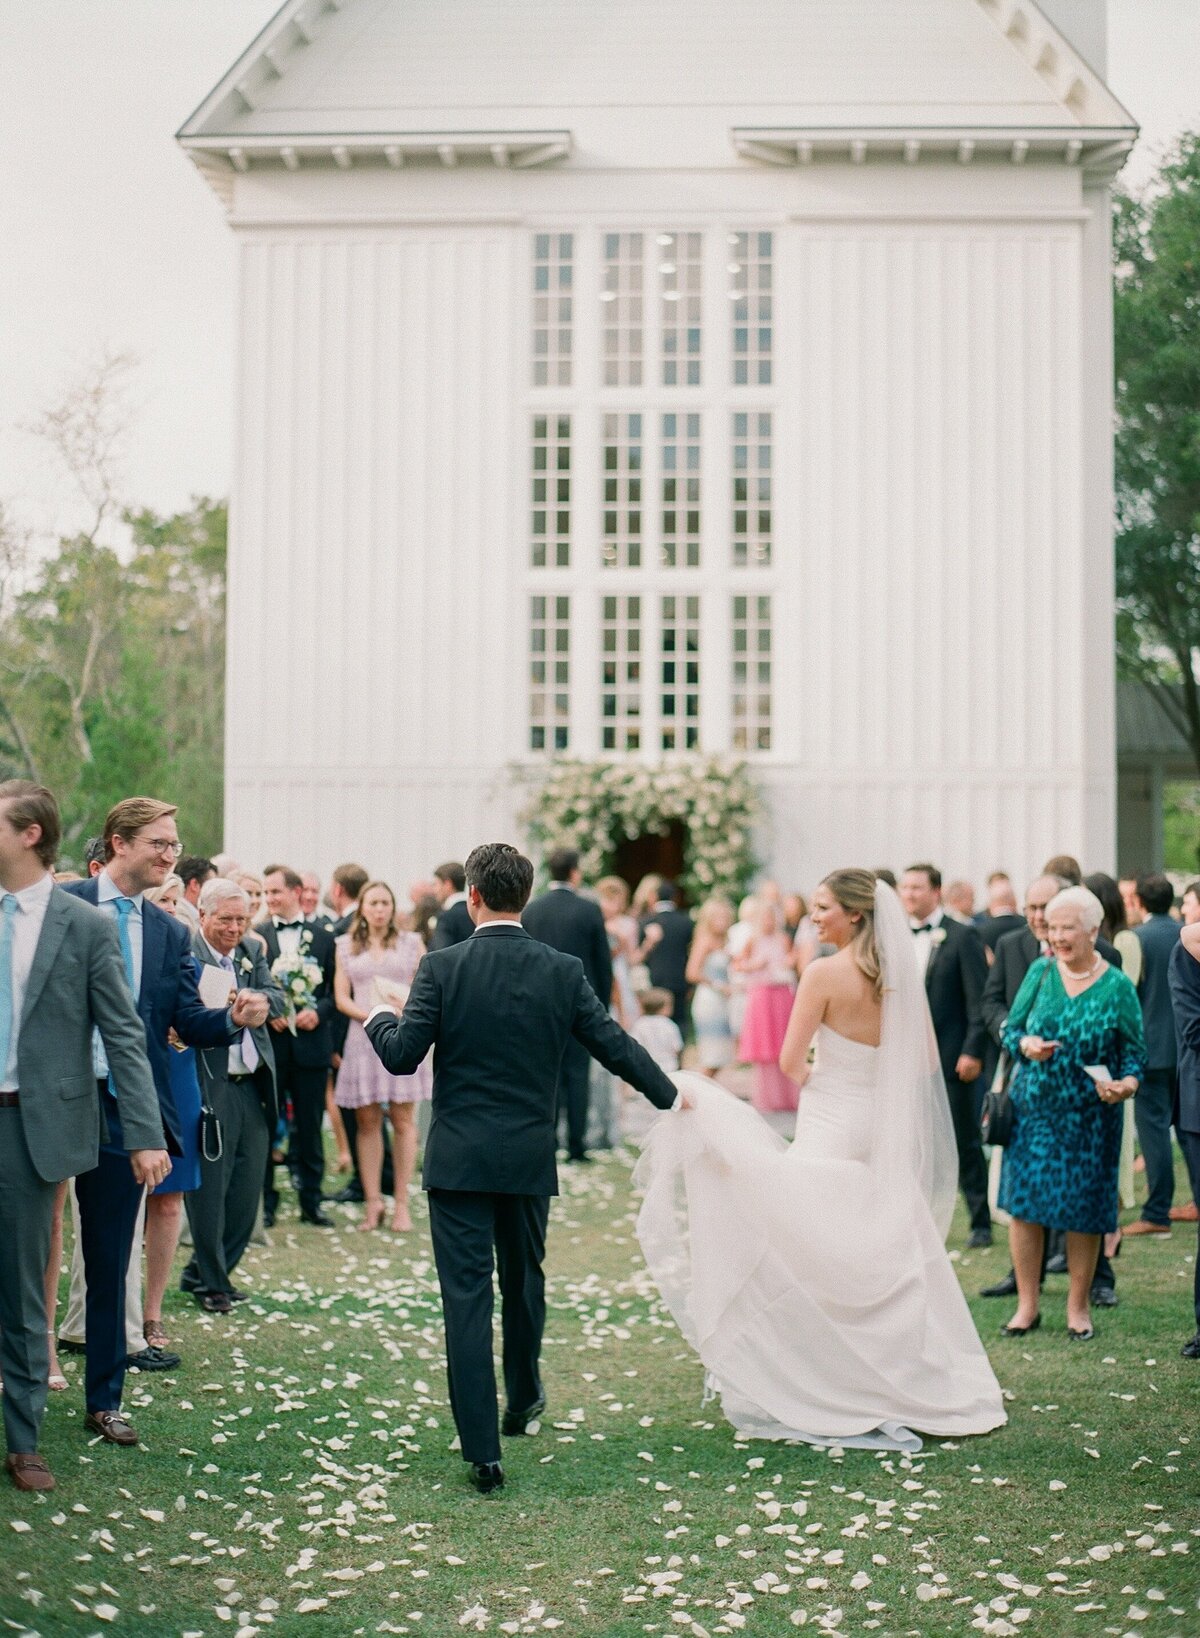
x=109, y=238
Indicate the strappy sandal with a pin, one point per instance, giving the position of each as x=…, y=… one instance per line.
x=155, y=1334
x=56, y=1382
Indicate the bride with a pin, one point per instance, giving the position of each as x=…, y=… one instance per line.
x=812, y=1278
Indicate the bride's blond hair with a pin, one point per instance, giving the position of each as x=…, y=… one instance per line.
x=854, y=890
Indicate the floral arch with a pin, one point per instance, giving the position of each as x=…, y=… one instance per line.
x=595, y=806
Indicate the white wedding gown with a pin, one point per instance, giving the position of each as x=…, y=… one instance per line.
x=815, y=1288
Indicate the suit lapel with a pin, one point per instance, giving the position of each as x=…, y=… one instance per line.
x=154, y=944
x=937, y=945
x=54, y=929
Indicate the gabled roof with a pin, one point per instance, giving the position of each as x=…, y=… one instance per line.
x=344, y=82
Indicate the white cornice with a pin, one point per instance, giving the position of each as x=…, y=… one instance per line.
x=1099, y=152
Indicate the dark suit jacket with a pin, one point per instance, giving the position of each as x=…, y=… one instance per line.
x=667, y=962
x=1183, y=975
x=453, y=926
x=954, y=981
x=498, y=1010
x=1158, y=937
x=1015, y=954
x=310, y=1048
x=169, y=999
x=574, y=925
x=251, y=971
x=993, y=928
x=77, y=983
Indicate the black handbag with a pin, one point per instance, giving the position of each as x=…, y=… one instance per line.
x=999, y=1117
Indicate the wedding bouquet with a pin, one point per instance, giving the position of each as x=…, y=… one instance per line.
x=299, y=977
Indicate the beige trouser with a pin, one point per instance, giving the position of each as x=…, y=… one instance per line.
x=73, y=1327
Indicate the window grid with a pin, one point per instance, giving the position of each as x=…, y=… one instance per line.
x=751, y=674
x=680, y=540
x=621, y=674
x=553, y=308
x=549, y=673
x=679, y=643
x=623, y=316
x=621, y=545
x=550, y=492
x=752, y=303
x=680, y=272
x=752, y=516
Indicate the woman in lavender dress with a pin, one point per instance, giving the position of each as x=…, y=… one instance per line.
x=376, y=949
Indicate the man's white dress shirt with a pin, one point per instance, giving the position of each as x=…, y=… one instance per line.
x=923, y=941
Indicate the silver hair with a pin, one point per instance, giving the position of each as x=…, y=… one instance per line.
x=154, y=894
x=216, y=890
x=1091, y=911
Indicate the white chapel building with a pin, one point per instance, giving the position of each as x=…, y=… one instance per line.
x=626, y=378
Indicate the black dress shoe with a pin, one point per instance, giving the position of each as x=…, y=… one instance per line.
x=486, y=1477
x=317, y=1219
x=1080, y=1336
x=238, y=1296
x=1057, y=1264
x=516, y=1422
x=1021, y=1330
x=1103, y=1296
x=1007, y=1287
x=268, y=1219
x=152, y=1359
x=979, y=1239
x=214, y=1302
x=1191, y=1350
x=351, y=1195
x=64, y=1346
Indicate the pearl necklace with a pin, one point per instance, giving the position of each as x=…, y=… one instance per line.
x=1067, y=972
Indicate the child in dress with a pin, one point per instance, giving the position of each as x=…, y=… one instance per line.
x=657, y=1031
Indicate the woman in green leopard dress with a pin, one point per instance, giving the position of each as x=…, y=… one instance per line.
x=1072, y=1013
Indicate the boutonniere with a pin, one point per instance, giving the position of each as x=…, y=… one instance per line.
x=937, y=936
x=246, y=965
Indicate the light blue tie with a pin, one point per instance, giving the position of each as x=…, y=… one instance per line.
x=124, y=907
x=8, y=912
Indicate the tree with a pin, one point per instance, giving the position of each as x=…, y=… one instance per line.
x=1157, y=328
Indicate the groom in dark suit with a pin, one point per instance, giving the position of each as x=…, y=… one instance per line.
x=499, y=1009
x=954, y=967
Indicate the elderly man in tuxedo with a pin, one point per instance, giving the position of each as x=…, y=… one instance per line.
x=238, y=1083
x=62, y=979
x=1184, y=980
x=951, y=958
x=499, y=1010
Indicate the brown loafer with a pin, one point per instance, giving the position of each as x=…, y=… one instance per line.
x=28, y=1472
x=110, y=1425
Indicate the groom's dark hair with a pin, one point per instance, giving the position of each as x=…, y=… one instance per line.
x=503, y=877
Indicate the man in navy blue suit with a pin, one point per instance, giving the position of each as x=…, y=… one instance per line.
x=1184, y=977
x=141, y=845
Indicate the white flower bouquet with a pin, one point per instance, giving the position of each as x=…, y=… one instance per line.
x=299, y=977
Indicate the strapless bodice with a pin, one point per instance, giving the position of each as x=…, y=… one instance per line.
x=837, y=1104
x=837, y=1055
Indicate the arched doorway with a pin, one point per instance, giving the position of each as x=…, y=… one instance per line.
x=652, y=854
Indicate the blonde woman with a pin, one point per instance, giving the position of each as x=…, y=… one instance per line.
x=708, y=971
x=812, y=1278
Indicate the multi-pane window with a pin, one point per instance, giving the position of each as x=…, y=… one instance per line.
x=550, y=493
x=679, y=276
x=621, y=547
x=751, y=489
x=679, y=650
x=680, y=539
x=622, y=320
x=752, y=306
x=751, y=676
x=549, y=673
x=621, y=673
x=553, y=314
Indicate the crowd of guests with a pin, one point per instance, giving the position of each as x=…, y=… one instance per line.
x=202, y=1028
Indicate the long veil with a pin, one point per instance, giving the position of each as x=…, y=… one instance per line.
x=913, y=1136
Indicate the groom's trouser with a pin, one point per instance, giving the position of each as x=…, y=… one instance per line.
x=573, y=1077
x=466, y=1228
x=972, y=1166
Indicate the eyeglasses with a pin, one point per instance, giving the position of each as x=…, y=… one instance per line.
x=168, y=850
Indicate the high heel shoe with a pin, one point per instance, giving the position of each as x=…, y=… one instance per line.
x=372, y=1216
x=1021, y=1330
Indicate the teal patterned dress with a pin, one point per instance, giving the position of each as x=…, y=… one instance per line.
x=1060, y=1170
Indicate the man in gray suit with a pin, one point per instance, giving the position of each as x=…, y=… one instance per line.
x=238, y=1082
x=62, y=976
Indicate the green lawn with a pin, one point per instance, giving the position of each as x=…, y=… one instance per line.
x=296, y=1476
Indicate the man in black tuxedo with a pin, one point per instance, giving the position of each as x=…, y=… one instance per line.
x=668, y=954
x=454, y=920
x=1183, y=976
x=950, y=955
x=498, y=1009
x=302, y=1060
x=574, y=925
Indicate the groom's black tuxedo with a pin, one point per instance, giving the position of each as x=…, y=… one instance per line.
x=954, y=980
x=499, y=1010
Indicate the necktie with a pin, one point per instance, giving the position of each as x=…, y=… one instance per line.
x=247, y=1047
x=124, y=906
x=8, y=911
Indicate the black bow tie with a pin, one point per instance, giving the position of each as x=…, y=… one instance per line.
x=925, y=927
x=282, y=926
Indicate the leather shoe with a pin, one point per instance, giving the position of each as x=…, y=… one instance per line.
x=979, y=1239
x=1143, y=1226
x=110, y=1425
x=268, y=1219
x=1080, y=1336
x=1057, y=1264
x=1007, y=1287
x=1191, y=1350
x=65, y=1346
x=1103, y=1296
x=486, y=1477
x=238, y=1296
x=516, y=1422
x=214, y=1302
x=152, y=1359
x=28, y=1472
x=350, y=1195
x=317, y=1219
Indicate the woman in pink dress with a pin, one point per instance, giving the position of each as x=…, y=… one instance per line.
x=375, y=948
x=766, y=967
